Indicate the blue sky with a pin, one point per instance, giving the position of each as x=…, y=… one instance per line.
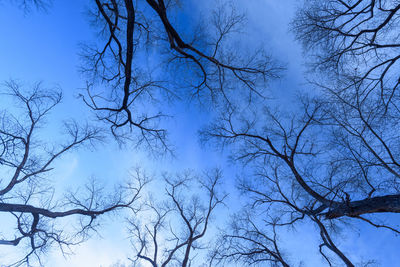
x=44, y=46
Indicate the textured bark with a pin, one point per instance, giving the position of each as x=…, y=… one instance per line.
x=389, y=203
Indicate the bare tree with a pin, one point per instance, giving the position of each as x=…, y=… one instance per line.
x=357, y=41
x=247, y=242
x=335, y=162
x=173, y=229
x=205, y=62
x=335, y=158
x=26, y=192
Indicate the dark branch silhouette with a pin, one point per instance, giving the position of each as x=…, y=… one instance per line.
x=355, y=40
x=206, y=64
x=178, y=224
x=26, y=165
x=338, y=159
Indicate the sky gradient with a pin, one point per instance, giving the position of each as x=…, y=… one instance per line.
x=44, y=46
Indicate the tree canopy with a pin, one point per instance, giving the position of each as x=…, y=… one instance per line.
x=329, y=161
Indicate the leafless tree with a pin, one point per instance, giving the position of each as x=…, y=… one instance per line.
x=248, y=242
x=334, y=159
x=357, y=41
x=203, y=61
x=172, y=230
x=41, y=217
